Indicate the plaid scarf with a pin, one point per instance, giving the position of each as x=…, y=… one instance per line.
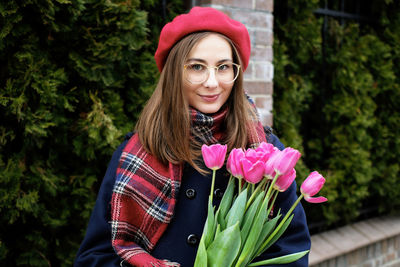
x=145, y=192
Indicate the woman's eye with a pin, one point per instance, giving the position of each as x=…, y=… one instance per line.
x=197, y=67
x=224, y=67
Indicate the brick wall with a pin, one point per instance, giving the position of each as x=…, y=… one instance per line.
x=371, y=243
x=257, y=16
x=384, y=253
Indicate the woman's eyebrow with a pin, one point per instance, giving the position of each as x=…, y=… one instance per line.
x=205, y=62
x=225, y=60
x=197, y=59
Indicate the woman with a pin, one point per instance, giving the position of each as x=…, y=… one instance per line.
x=152, y=204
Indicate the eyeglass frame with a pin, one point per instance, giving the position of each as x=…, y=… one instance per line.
x=216, y=71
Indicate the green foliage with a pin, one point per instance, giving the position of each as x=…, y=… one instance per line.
x=75, y=75
x=296, y=79
x=385, y=155
x=338, y=102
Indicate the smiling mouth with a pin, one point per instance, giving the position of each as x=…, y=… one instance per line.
x=209, y=98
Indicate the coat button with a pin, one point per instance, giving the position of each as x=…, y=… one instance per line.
x=192, y=239
x=190, y=193
x=218, y=193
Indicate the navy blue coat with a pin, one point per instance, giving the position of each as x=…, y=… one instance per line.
x=180, y=240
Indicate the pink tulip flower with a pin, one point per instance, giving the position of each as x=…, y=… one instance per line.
x=284, y=181
x=253, y=155
x=253, y=172
x=266, y=149
x=233, y=164
x=214, y=155
x=311, y=186
x=286, y=160
x=269, y=170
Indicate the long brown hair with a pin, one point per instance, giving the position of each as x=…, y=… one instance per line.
x=164, y=124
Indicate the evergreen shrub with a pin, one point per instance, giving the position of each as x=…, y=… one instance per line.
x=74, y=75
x=336, y=97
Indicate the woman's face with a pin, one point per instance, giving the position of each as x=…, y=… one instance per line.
x=209, y=95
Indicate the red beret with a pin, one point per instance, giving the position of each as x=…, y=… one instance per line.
x=203, y=19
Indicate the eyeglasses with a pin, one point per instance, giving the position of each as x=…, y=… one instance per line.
x=197, y=73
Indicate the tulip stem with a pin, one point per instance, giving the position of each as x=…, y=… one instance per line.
x=266, y=185
x=273, y=197
x=272, y=184
x=280, y=224
x=253, y=195
x=212, y=185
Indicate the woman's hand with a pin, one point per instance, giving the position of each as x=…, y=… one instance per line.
x=165, y=263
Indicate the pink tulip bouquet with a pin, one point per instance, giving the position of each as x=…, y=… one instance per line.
x=241, y=228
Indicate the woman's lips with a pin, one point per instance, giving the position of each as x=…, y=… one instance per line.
x=209, y=98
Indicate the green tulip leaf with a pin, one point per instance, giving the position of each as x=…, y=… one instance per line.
x=224, y=249
x=226, y=200
x=225, y=203
x=267, y=229
x=250, y=215
x=201, y=257
x=277, y=235
x=281, y=260
x=209, y=227
x=254, y=233
x=221, y=221
x=216, y=222
x=217, y=231
x=236, y=212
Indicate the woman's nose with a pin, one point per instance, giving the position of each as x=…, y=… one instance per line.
x=211, y=81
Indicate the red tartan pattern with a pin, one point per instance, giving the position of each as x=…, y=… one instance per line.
x=142, y=203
